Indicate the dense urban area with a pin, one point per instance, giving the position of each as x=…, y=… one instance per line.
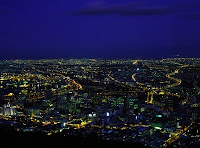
x=151, y=102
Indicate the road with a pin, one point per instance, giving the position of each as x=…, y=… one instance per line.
x=176, y=135
x=178, y=81
x=78, y=86
x=134, y=79
x=122, y=83
x=155, y=91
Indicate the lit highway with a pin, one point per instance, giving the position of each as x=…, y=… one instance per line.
x=178, y=81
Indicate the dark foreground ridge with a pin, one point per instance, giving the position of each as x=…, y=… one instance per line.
x=38, y=139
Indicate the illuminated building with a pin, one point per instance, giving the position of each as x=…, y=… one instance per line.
x=32, y=111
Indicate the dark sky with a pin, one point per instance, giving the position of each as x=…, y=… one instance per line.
x=99, y=28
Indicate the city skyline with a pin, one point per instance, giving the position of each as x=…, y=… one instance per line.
x=145, y=103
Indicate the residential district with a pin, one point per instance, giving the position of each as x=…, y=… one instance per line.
x=151, y=102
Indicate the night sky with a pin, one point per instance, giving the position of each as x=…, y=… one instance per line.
x=34, y=29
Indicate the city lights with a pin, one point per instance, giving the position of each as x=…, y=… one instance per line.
x=152, y=102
